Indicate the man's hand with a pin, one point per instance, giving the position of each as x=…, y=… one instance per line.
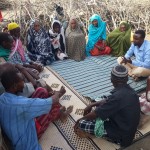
x=125, y=61
x=87, y=110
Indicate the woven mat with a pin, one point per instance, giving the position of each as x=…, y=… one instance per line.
x=91, y=77
x=60, y=136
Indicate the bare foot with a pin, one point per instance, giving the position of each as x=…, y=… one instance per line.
x=62, y=91
x=83, y=134
x=62, y=109
x=64, y=114
x=50, y=90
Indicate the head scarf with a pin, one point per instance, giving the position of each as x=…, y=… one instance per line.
x=124, y=23
x=38, y=44
x=119, y=41
x=75, y=42
x=17, y=44
x=95, y=33
x=12, y=26
x=76, y=30
x=51, y=31
x=56, y=36
x=4, y=53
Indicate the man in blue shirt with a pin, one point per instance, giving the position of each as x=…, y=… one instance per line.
x=17, y=113
x=140, y=65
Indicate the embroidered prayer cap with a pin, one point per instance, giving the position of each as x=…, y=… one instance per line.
x=119, y=71
x=12, y=26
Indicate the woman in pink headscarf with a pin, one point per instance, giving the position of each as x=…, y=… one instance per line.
x=18, y=54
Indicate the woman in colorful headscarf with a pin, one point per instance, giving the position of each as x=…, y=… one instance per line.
x=119, y=40
x=57, y=38
x=75, y=41
x=39, y=45
x=18, y=54
x=96, y=37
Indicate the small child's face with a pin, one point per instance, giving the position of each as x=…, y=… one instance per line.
x=57, y=29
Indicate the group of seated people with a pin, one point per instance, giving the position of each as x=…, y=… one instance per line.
x=56, y=44
x=26, y=99
x=23, y=106
x=29, y=106
x=46, y=46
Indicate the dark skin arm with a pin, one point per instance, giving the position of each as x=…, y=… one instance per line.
x=125, y=61
x=34, y=65
x=88, y=115
x=95, y=104
x=26, y=74
x=34, y=75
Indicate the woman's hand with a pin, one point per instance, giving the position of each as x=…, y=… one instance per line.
x=99, y=47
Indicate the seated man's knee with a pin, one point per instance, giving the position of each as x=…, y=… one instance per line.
x=140, y=72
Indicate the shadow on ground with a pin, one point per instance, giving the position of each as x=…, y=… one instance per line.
x=142, y=143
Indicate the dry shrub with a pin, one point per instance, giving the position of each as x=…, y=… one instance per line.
x=136, y=12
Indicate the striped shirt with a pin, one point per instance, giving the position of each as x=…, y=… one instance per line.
x=17, y=115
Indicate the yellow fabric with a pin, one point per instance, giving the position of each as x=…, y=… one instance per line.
x=12, y=26
x=131, y=38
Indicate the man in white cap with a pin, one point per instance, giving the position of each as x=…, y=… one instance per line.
x=116, y=117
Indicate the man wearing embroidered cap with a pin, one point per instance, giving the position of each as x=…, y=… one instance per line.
x=115, y=118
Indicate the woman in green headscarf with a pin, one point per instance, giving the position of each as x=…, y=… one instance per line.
x=119, y=40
